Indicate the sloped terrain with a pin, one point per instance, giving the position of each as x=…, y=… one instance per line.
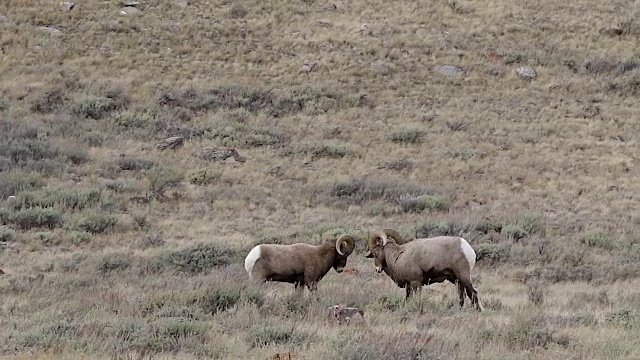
x=511, y=123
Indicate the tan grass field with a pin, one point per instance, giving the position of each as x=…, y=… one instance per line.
x=541, y=176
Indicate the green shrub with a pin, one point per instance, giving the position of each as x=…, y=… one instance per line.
x=114, y=262
x=320, y=151
x=203, y=176
x=220, y=299
x=7, y=235
x=523, y=226
x=37, y=217
x=14, y=184
x=424, y=202
x=196, y=259
x=495, y=253
x=97, y=107
x=598, y=240
x=58, y=198
x=407, y=136
x=95, y=223
x=135, y=164
x=265, y=335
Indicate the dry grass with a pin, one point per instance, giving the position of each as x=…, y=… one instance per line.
x=540, y=176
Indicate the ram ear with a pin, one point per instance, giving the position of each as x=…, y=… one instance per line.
x=368, y=255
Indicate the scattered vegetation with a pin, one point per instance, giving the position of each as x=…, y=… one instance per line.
x=112, y=248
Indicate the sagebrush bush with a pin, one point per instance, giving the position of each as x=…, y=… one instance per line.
x=11, y=185
x=60, y=198
x=37, y=217
x=195, y=259
x=265, y=335
x=407, y=136
x=95, y=223
x=7, y=235
x=114, y=262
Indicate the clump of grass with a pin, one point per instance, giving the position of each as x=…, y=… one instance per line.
x=523, y=226
x=421, y=203
x=317, y=151
x=99, y=106
x=203, y=177
x=195, y=259
x=265, y=335
x=495, y=253
x=49, y=102
x=220, y=299
x=407, y=136
x=135, y=164
x=11, y=185
x=162, y=179
x=36, y=217
x=360, y=191
x=398, y=165
x=598, y=240
x=61, y=198
x=95, y=223
x=536, y=292
x=116, y=261
x=7, y=235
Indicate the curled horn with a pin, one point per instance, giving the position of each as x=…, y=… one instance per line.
x=394, y=235
x=348, y=240
x=373, y=241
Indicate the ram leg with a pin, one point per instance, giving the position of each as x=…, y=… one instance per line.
x=461, y=291
x=472, y=293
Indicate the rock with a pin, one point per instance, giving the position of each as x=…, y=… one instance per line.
x=50, y=29
x=129, y=10
x=183, y=3
x=132, y=3
x=67, y=5
x=381, y=67
x=526, y=72
x=449, y=70
x=172, y=143
x=307, y=67
x=220, y=153
x=3, y=19
x=611, y=31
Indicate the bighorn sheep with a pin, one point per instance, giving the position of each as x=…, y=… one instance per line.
x=425, y=261
x=300, y=264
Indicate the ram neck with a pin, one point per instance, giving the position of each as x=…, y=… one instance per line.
x=327, y=254
x=392, y=253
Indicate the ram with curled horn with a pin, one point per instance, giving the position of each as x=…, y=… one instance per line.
x=299, y=264
x=425, y=261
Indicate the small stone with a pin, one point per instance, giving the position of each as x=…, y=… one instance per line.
x=129, y=10
x=132, y=3
x=183, y=3
x=50, y=29
x=526, y=72
x=67, y=5
x=3, y=19
x=381, y=67
x=449, y=70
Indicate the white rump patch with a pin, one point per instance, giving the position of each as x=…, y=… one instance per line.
x=251, y=259
x=468, y=252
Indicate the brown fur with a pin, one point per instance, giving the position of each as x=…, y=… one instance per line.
x=301, y=264
x=423, y=262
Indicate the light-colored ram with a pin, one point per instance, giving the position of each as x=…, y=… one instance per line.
x=300, y=264
x=425, y=261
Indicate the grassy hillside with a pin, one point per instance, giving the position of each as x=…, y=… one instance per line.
x=113, y=248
